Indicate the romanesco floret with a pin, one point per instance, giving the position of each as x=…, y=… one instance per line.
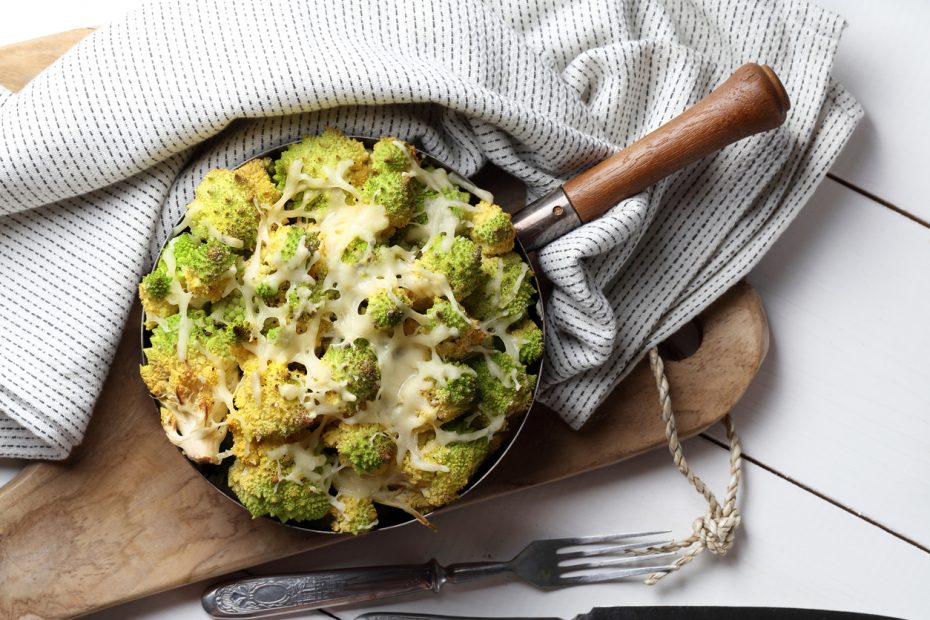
x=193, y=416
x=271, y=294
x=355, y=251
x=491, y=229
x=187, y=382
x=276, y=335
x=231, y=311
x=387, y=306
x=422, y=194
x=152, y=292
x=368, y=448
x=224, y=207
x=529, y=339
x=456, y=395
x=393, y=191
x=158, y=283
x=469, y=334
x=284, y=241
x=358, y=515
x=356, y=365
x=203, y=269
x=256, y=175
x=307, y=297
x=388, y=186
x=326, y=151
x=387, y=156
x=459, y=459
x=204, y=331
x=507, y=291
x=453, y=192
x=279, y=254
x=271, y=412
x=461, y=265
x=504, y=388
x=264, y=479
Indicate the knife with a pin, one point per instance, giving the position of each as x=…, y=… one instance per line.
x=663, y=613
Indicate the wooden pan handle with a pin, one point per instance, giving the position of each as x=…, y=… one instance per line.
x=752, y=100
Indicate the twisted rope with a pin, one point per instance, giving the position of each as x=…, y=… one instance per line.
x=716, y=529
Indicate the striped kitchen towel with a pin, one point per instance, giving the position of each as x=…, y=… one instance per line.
x=100, y=153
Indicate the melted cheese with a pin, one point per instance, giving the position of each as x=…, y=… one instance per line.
x=200, y=431
x=179, y=297
x=308, y=319
x=471, y=188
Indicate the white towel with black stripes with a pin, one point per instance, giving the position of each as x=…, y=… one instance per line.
x=101, y=152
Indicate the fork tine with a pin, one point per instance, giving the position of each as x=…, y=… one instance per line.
x=610, y=549
x=629, y=559
x=614, y=575
x=588, y=540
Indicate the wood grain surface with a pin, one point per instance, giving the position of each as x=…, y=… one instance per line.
x=750, y=101
x=125, y=516
x=21, y=62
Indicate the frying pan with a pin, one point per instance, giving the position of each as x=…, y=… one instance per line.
x=750, y=101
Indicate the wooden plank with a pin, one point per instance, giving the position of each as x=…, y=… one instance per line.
x=882, y=62
x=137, y=519
x=841, y=405
x=125, y=516
x=20, y=62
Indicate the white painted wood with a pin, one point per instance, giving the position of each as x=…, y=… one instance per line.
x=841, y=402
x=882, y=61
x=795, y=549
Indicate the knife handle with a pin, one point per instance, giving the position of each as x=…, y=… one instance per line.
x=390, y=615
x=752, y=100
x=663, y=613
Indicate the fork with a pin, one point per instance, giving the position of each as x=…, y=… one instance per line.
x=548, y=563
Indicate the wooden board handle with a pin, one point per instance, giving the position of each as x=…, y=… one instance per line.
x=752, y=100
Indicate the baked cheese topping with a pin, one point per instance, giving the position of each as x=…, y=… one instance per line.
x=323, y=251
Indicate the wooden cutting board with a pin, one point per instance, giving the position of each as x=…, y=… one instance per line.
x=125, y=516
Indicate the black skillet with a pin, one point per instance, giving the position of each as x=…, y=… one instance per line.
x=751, y=101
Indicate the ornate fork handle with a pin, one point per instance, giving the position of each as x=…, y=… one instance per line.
x=256, y=597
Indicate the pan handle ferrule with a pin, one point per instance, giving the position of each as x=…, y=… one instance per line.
x=545, y=220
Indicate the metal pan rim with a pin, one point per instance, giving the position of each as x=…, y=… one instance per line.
x=487, y=466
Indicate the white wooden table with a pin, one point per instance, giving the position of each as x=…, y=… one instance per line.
x=836, y=428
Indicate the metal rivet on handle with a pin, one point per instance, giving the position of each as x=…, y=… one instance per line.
x=545, y=219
